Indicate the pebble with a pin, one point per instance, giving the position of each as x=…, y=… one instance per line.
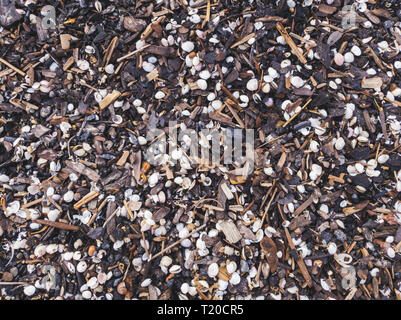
x=92, y=283
x=297, y=82
x=391, y=252
x=187, y=46
x=153, y=179
x=332, y=248
x=235, y=278
x=349, y=57
x=202, y=84
x=356, y=51
x=29, y=290
x=82, y=266
x=231, y=267
x=148, y=67
x=217, y=104
x=159, y=95
x=109, y=69
x=175, y=269
x=53, y=214
x=213, y=270
x=340, y=143
x=86, y=294
x=185, y=288
x=252, y=85
x=204, y=74
x=4, y=178
x=166, y=261
x=383, y=158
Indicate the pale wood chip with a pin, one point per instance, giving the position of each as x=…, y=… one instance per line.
x=230, y=231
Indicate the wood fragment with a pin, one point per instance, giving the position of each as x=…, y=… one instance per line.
x=88, y=197
x=299, y=260
x=304, y=205
x=58, y=225
x=123, y=158
x=230, y=231
x=19, y=71
x=243, y=40
x=110, y=98
x=65, y=39
x=290, y=42
x=129, y=55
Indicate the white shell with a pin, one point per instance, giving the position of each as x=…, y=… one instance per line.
x=29, y=290
x=187, y=46
x=82, y=266
x=213, y=270
x=252, y=85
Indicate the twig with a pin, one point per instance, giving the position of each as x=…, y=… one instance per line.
x=177, y=242
x=132, y=53
x=290, y=42
x=8, y=64
x=296, y=114
x=58, y=225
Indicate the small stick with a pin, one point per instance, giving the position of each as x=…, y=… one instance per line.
x=290, y=42
x=382, y=120
x=110, y=98
x=240, y=122
x=8, y=64
x=296, y=114
x=54, y=203
x=128, y=210
x=97, y=211
x=109, y=51
x=207, y=17
x=304, y=205
x=269, y=204
x=58, y=225
x=144, y=244
x=245, y=39
x=300, y=261
x=132, y=53
x=90, y=196
x=32, y=203
x=177, y=242
x=10, y=283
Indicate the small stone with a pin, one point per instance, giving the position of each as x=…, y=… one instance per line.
x=92, y=283
x=159, y=95
x=349, y=57
x=202, y=84
x=235, y=279
x=356, y=51
x=231, y=267
x=213, y=270
x=187, y=46
x=68, y=196
x=82, y=266
x=297, y=82
x=204, y=74
x=166, y=261
x=332, y=248
x=86, y=294
x=109, y=69
x=340, y=143
x=29, y=290
x=217, y=104
x=153, y=179
x=148, y=67
x=252, y=85
x=391, y=252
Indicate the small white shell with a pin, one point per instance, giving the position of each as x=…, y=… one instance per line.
x=213, y=270
x=252, y=84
